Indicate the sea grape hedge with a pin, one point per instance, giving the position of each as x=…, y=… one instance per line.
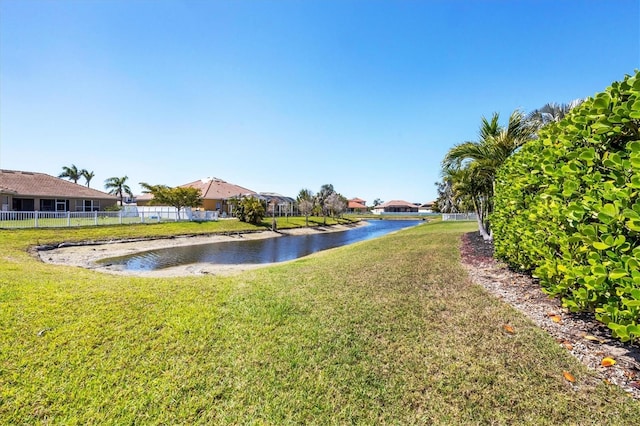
x=567, y=208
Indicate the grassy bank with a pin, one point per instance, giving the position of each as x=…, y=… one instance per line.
x=383, y=331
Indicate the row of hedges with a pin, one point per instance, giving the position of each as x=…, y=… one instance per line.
x=567, y=208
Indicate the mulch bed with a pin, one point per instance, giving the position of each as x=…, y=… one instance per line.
x=585, y=338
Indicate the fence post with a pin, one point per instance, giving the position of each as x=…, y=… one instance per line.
x=141, y=217
x=35, y=217
x=68, y=219
x=120, y=214
x=95, y=217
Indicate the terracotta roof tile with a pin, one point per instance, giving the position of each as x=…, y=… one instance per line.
x=356, y=205
x=218, y=189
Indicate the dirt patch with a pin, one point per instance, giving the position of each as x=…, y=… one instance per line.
x=587, y=339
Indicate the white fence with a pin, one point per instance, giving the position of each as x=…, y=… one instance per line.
x=459, y=216
x=128, y=215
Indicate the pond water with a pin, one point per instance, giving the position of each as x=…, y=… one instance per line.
x=267, y=250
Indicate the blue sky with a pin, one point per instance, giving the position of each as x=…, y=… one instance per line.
x=282, y=95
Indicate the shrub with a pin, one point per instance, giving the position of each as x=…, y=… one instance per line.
x=567, y=208
x=250, y=210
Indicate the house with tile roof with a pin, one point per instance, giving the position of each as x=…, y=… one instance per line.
x=427, y=207
x=32, y=191
x=395, y=206
x=216, y=194
x=356, y=205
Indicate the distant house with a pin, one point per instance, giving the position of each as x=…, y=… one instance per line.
x=216, y=194
x=395, y=206
x=32, y=191
x=278, y=204
x=356, y=205
x=426, y=207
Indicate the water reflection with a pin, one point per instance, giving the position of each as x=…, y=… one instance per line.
x=268, y=250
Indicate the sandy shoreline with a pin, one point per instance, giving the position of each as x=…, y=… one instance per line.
x=86, y=256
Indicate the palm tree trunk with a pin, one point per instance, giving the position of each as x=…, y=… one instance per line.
x=480, y=216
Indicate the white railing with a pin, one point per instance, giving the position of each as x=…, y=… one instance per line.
x=128, y=215
x=459, y=216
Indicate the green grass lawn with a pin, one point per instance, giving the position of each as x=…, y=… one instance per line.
x=387, y=331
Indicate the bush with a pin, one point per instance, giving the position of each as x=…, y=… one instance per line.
x=567, y=208
x=250, y=210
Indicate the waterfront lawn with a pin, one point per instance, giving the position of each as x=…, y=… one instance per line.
x=383, y=331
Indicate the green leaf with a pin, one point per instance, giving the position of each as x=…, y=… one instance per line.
x=608, y=213
x=617, y=274
x=599, y=270
x=634, y=147
x=602, y=100
x=589, y=230
x=588, y=154
x=631, y=214
x=619, y=329
x=598, y=245
x=633, y=224
x=633, y=329
x=600, y=127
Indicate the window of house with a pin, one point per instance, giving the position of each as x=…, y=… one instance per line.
x=24, y=204
x=47, y=205
x=90, y=205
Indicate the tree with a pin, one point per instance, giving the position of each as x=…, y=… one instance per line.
x=552, y=113
x=178, y=197
x=118, y=186
x=250, y=210
x=71, y=173
x=321, y=198
x=336, y=204
x=448, y=200
x=305, y=201
x=87, y=175
x=377, y=202
x=473, y=164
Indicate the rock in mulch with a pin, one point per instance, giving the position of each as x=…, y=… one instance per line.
x=587, y=339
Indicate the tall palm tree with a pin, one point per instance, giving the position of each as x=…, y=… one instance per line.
x=473, y=164
x=87, y=175
x=118, y=186
x=71, y=173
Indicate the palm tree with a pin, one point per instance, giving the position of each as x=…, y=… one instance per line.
x=87, y=175
x=72, y=173
x=552, y=112
x=473, y=165
x=448, y=201
x=118, y=187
